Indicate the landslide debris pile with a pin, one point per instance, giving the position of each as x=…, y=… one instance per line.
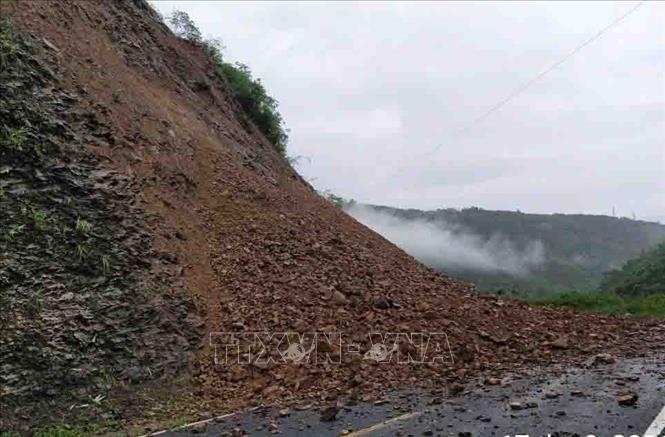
x=180, y=189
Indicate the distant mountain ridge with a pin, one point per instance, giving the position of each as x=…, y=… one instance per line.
x=577, y=249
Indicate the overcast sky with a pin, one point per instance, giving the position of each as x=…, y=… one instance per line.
x=375, y=95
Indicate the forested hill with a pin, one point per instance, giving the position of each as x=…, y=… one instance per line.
x=639, y=276
x=531, y=252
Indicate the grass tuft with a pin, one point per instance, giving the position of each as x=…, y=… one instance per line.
x=82, y=226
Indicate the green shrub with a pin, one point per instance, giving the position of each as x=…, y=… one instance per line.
x=247, y=90
x=14, y=139
x=255, y=101
x=640, y=276
x=184, y=27
x=8, y=43
x=336, y=200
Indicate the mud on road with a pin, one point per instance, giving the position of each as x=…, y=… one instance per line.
x=606, y=397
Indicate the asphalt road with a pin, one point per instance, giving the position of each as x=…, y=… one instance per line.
x=581, y=401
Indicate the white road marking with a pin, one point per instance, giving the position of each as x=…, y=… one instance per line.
x=365, y=431
x=657, y=425
x=188, y=425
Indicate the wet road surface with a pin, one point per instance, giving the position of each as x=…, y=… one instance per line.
x=623, y=398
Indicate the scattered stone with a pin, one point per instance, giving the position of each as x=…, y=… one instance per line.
x=284, y=412
x=50, y=45
x=516, y=406
x=381, y=303
x=329, y=414
x=560, y=343
x=199, y=428
x=552, y=395
x=603, y=359
x=455, y=389
x=627, y=399
x=338, y=298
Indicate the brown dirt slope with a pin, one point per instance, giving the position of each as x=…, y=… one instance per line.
x=254, y=245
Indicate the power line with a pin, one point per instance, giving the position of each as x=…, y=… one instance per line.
x=540, y=75
x=519, y=90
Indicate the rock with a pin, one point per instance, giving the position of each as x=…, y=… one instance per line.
x=627, y=399
x=603, y=359
x=270, y=390
x=560, y=343
x=531, y=404
x=560, y=413
x=199, y=428
x=264, y=365
x=329, y=414
x=455, y=389
x=516, y=406
x=493, y=381
x=552, y=395
x=338, y=298
x=284, y=412
x=50, y=45
x=381, y=303
x=381, y=402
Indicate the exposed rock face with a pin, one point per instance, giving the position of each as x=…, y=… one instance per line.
x=82, y=304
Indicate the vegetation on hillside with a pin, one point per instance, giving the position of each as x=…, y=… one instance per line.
x=333, y=198
x=260, y=107
x=644, y=275
x=604, y=302
x=636, y=288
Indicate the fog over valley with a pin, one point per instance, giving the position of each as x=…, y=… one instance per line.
x=443, y=245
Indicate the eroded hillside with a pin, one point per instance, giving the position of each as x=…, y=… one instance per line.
x=156, y=213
